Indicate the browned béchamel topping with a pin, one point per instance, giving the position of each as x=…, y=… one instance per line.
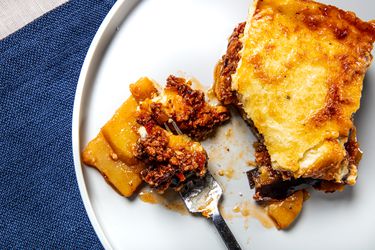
x=300, y=79
x=299, y=67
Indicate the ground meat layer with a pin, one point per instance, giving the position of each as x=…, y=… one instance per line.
x=227, y=66
x=170, y=159
x=186, y=107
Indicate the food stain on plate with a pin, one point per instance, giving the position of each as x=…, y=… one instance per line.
x=246, y=210
x=229, y=133
x=149, y=197
x=229, y=150
x=169, y=200
x=227, y=172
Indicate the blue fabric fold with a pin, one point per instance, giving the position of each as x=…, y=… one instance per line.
x=40, y=204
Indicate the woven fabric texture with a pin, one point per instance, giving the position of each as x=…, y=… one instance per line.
x=40, y=204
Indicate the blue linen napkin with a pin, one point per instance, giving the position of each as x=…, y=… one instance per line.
x=40, y=204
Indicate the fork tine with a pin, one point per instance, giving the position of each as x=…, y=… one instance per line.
x=175, y=126
x=167, y=127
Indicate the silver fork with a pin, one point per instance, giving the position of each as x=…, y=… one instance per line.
x=202, y=195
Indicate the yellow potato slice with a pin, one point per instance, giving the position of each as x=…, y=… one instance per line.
x=121, y=131
x=144, y=88
x=111, y=152
x=123, y=177
x=285, y=212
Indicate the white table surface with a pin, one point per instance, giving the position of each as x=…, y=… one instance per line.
x=15, y=14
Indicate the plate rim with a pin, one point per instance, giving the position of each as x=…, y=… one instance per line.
x=97, y=47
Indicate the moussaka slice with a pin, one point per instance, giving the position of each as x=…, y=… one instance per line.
x=295, y=70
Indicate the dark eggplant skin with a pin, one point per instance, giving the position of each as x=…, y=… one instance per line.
x=279, y=190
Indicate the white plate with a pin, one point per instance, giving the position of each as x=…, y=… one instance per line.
x=156, y=38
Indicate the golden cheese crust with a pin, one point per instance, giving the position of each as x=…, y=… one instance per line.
x=300, y=80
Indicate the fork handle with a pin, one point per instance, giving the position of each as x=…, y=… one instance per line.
x=224, y=231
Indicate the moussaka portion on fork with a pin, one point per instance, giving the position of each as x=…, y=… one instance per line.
x=295, y=70
x=172, y=122
x=154, y=137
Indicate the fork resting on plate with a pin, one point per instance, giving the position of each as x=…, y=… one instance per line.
x=202, y=195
